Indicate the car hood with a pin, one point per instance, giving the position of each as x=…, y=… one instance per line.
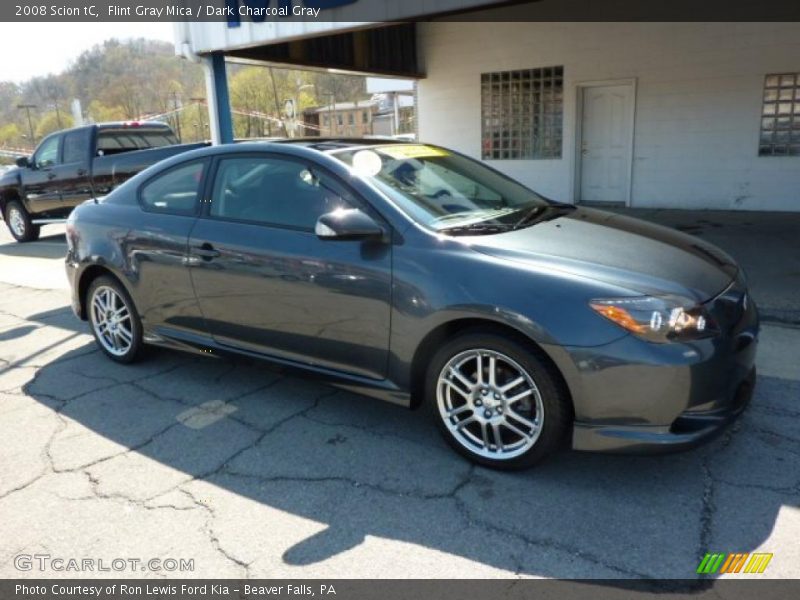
x=619, y=250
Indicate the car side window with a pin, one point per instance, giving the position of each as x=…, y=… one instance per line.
x=175, y=191
x=275, y=191
x=76, y=146
x=47, y=154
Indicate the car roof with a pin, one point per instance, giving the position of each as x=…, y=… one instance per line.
x=298, y=147
x=330, y=144
x=132, y=125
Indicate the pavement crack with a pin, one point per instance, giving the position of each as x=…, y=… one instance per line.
x=708, y=507
x=23, y=486
x=546, y=543
x=213, y=537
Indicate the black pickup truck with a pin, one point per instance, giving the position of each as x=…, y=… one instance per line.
x=71, y=166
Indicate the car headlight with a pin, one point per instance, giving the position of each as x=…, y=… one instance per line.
x=658, y=318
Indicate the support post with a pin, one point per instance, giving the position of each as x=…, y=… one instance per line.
x=219, y=106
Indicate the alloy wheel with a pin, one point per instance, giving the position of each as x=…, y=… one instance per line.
x=490, y=404
x=111, y=320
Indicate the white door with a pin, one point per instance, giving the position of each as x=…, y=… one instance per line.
x=606, y=143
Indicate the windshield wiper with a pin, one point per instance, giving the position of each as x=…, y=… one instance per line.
x=476, y=229
x=528, y=216
x=545, y=212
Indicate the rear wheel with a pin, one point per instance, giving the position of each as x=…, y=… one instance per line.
x=19, y=223
x=115, y=324
x=496, y=401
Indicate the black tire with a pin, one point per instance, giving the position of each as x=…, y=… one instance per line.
x=133, y=348
x=19, y=223
x=547, y=394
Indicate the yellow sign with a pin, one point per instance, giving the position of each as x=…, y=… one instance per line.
x=403, y=151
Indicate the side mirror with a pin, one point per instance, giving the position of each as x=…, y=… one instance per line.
x=23, y=162
x=348, y=224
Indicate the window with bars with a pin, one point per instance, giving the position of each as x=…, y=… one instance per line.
x=780, y=116
x=522, y=113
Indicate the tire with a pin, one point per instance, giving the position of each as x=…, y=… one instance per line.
x=531, y=418
x=19, y=223
x=119, y=336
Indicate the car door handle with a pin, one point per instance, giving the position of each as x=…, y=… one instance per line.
x=81, y=172
x=205, y=251
x=51, y=175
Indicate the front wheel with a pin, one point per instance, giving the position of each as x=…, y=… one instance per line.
x=20, y=224
x=496, y=401
x=115, y=324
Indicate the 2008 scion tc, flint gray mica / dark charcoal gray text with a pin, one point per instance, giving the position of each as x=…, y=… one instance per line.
x=414, y=274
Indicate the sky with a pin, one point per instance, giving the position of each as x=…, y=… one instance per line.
x=29, y=49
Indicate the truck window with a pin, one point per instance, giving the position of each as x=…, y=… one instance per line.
x=115, y=141
x=47, y=154
x=76, y=146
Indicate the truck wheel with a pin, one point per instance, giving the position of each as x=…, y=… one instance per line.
x=19, y=223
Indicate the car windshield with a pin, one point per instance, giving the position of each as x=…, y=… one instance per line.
x=446, y=191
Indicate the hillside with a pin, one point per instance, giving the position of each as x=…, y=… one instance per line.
x=139, y=78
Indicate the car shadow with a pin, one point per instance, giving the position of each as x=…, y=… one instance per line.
x=349, y=469
x=47, y=246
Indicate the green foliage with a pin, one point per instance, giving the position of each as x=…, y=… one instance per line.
x=265, y=90
x=9, y=134
x=140, y=78
x=50, y=122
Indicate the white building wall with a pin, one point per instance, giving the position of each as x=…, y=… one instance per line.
x=698, y=105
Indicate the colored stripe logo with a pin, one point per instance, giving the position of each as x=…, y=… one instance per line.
x=734, y=562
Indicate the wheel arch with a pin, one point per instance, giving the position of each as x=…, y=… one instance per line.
x=87, y=276
x=429, y=344
x=7, y=196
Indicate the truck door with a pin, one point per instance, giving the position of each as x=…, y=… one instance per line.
x=74, y=172
x=40, y=180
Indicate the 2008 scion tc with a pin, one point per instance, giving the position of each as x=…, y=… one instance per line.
x=414, y=274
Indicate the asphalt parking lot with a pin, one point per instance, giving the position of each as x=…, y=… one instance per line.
x=250, y=472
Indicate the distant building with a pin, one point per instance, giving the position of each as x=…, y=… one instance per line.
x=383, y=114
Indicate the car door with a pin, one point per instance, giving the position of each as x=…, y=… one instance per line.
x=73, y=172
x=266, y=283
x=40, y=179
x=155, y=239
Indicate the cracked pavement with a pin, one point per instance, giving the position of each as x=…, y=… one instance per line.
x=254, y=473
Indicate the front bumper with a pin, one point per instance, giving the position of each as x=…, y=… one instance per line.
x=689, y=430
x=633, y=396
x=72, y=269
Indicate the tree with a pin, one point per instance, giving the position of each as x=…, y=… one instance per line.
x=132, y=79
x=9, y=134
x=100, y=113
x=50, y=122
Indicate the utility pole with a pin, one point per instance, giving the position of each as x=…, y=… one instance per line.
x=331, y=106
x=27, y=108
x=277, y=104
x=177, y=114
x=202, y=125
x=58, y=113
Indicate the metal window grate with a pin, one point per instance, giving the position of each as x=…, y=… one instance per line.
x=780, y=116
x=522, y=113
